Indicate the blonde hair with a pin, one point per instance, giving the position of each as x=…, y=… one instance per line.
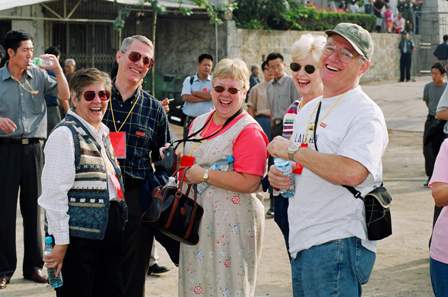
x=234, y=69
x=308, y=45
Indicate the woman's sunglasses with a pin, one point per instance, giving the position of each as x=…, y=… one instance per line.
x=90, y=95
x=220, y=89
x=308, y=68
x=135, y=57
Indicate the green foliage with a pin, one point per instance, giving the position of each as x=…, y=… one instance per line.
x=297, y=17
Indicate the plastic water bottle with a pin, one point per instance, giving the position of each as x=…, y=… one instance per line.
x=285, y=167
x=42, y=62
x=220, y=165
x=53, y=280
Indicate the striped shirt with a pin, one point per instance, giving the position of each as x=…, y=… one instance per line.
x=288, y=119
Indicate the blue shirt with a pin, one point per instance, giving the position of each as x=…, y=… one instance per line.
x=197, y=108
x=27, y=111
x=51, y=99
x=146, y=130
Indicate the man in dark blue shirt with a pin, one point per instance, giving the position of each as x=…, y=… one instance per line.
x=139, y=127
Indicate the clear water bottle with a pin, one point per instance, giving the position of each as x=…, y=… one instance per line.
x=285, y=167
x=220, y=165
x=53, y=280
x=42, y=62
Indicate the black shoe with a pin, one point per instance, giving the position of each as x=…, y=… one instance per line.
x=156, y=269
x=270, y=213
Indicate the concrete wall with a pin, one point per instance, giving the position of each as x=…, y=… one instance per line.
x=253, y=45
x=34, y=27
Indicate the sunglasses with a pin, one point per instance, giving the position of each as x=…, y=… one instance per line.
x=90, y=95
x=220, y=89
x=308, y=68
x=136, y=56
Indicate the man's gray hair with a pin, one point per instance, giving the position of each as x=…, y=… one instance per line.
x=128, y=41
x=70, y=61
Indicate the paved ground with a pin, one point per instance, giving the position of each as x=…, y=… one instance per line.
x=402, y=261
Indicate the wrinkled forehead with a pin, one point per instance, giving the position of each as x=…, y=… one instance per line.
x=341, y=42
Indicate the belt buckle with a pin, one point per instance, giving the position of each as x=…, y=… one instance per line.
x=25, y=141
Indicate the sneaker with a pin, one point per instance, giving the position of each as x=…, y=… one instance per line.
x=156, y=269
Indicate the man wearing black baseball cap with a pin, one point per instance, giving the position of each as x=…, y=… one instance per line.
x=339, y=139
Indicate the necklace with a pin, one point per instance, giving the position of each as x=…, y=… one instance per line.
x=127, y=116
x=311, y=127
x=27, y=87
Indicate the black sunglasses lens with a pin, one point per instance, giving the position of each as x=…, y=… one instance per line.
x=310, y=69
x=134, y=56
x=89, y=95
x=295, y=67
x=219, y=89
x=232, y=91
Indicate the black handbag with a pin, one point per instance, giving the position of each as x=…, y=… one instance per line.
x=180, y=216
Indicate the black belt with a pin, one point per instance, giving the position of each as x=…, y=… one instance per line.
x=19, y=140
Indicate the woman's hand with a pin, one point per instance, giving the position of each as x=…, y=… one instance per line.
x=195, y=174
x=278, y=147
x=56, y=258
x=277, y=179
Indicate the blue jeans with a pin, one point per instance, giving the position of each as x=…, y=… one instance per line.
x=439, y=277
x=335, y=268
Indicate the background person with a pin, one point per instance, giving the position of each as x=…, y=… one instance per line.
x=80, y=164
x=226, y=258
x=23, y=128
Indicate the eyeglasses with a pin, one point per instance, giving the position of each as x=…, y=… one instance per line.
x=220, y=89
x=344, y=54
x=135, y=57
x=104, y=95
x=308, y=68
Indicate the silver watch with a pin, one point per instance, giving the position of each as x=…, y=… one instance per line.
x=292, y=149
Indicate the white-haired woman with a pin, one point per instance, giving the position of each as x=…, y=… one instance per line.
x=224, y=262
x=305, y=54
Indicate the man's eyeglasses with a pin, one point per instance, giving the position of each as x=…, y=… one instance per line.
x=344, y=54
x=104, y=95
x=220, y=89
x=135, y=57
x=308, y=68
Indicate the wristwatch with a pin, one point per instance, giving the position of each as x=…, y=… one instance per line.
x=292, y=149
x=205, y=175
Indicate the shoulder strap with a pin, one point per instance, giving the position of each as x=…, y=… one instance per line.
x=355, y=193
x=191, y=79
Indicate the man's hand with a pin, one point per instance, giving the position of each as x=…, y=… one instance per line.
x=56, y=258
x=278, y=147
x=7, y=125
x=166, y=104
x=277, y=179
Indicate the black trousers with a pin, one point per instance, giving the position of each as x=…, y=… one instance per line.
x=276, y=130
x=21, y=167
x=405, y=66
x=93, y=267
x=433, y=137
x=137, y=242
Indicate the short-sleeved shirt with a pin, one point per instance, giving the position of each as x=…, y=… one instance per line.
x=431, y=96
x=258, y=99
x=281, y=93
x=439, y=241
x=249, y=148
x=320, y=210
x=27, y=111
x=443, y=104
x=146, y=130
x=194, y=109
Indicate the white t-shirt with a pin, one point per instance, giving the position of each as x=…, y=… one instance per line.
x=321, y=211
